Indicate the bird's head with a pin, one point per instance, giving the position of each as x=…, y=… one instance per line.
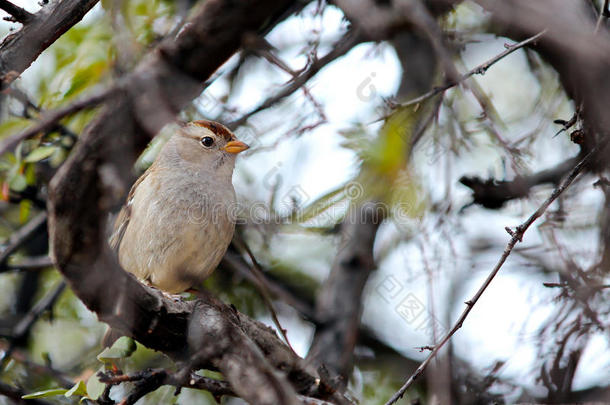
x=206, y=145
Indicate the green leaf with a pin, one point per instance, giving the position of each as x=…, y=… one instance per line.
x=40, y=153
x=79, y=389
x=122, y=348
x=13, y=125
x=95, y=387
x=320, y=206
x=25, y=207
x=86, y=76
x=58, y=157
x=18, y=182
x=30, y=175
x=46, y=393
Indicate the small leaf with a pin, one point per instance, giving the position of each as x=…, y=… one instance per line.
x=79, y=389
x=46, y=393
x=58, y=157
x=30, y=175
x=95, y=387
x=18, y=182
x=40, y=153
x=25, y=207
x=83, y=77
x=13, y=125
x=122, y=348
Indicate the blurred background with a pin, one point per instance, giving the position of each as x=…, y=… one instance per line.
x=340, y=138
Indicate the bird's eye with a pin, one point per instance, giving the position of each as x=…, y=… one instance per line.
x=207, y=141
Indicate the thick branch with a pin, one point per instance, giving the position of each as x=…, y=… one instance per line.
x=339, y=304
x=494, y=193
x=17, y=13
x=20, y=49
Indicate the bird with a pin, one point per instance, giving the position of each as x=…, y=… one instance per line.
x=179, y=216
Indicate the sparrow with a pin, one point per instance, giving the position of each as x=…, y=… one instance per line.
x=179, y=216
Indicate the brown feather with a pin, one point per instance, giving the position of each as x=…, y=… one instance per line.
x=122, y=220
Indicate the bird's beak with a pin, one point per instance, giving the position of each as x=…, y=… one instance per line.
x=235, y=147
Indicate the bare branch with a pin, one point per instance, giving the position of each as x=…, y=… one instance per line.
x=29, y=264
x=516, y=236
x=50, y=119
x=603, y=13
x=479, y=70
x=17, y=13
x=341, y=48
x=570, y=32
x=339, y=303
x=21, y=236
x=20, y=49
x=494, y=193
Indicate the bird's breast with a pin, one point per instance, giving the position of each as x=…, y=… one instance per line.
x=179, y=230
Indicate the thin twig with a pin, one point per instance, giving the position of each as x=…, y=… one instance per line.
x=516, y=236
x=15, y=394
x=33, y=263
x=218, y=388
x=17, y=13
x=50, y=118
x=258, y=273
x=23, y=327
x=603, y=13
x=480, y=70
x=238, y=265
x=21, y=236
x=215, y=387
x=347, y=42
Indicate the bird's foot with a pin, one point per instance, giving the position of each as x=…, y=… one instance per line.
x=173, y=297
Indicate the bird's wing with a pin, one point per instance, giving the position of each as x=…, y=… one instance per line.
x=122, y=220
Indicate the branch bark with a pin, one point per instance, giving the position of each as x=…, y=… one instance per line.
x=494, y=194
x=17, y=13
x=339, y=304
x=516, y=237
x=573, y=47
x=20, y=49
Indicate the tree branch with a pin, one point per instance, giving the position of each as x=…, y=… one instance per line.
x=570, y=31
x=478, y=70
x=15, y=395
x=18, y=50
x=17, y=13
x=339, y=303
x=21, y=236
x=494, y=194
x=49, y=119
x=516, y=236
x=342, y=46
